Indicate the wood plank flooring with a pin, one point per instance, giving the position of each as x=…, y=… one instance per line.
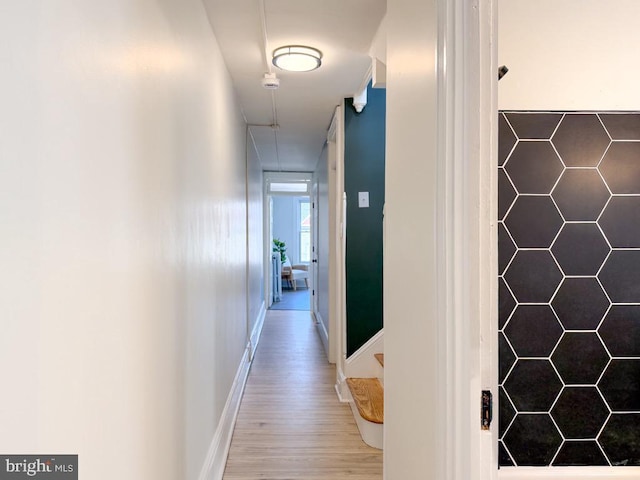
x=291, y=425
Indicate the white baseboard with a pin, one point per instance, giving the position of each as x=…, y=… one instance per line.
x=257, y=330
x=322, y=331
x=342, y=390
x=216, y=460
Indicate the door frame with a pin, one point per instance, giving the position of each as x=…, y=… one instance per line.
x=466, y=239
x=468, y=101
x=313, y=196
x=281, y=177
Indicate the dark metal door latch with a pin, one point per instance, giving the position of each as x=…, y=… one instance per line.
x=487, y=409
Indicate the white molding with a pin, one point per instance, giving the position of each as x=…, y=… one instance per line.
x=465, y=95
x=342, y=390
x=337, y=319
x=257, y=331
x=360, y=96
x=360, y=100
x=485, y=446
x=331, y=132
x=362, y=363
x=322, y=331
x=365, y=80
x=216, y=459
x=379, y=74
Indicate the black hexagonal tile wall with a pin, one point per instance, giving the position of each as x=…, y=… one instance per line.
x=507, y=412
x=620, y=276
x=620, y=385
x=620, y=440
x=533, y=331
x=506, y=140
x=533, y=276
x=503, y=456
x=620, y=331
x=534, y=125
x=580, y=358
x=506, y=248
x=620, y=222
x=580, y=412
x=506, y=356
x=580, y=453
x=506, y=303
x=506, y=194
x=533, y=385
x=580, y=303
x=622, y=126
x=580, y=194
x=563, y=205
x=581, y=140
x=534, y=167
x=533, y=221
x=533, y=440
x=580, y=249
x=620, y=167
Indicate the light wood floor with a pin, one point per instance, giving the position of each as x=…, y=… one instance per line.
x=291, y=425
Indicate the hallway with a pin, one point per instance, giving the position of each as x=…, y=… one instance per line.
x=291, y=424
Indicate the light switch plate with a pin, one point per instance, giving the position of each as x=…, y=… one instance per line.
x=363, y=199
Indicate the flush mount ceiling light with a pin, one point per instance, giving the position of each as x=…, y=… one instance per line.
x=297, y=58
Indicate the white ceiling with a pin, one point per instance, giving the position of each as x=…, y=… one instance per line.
x=342, y=30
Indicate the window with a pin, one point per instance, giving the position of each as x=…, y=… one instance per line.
x=304, y=230
x=281, y=187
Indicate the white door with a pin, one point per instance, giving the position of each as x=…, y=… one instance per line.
x=314, y=246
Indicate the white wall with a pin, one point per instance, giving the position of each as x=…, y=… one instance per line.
x=412, y=443
x=122, y=235
x=569, y=55
x=255, y=216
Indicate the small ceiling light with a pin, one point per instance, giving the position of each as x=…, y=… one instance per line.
x=296, y=58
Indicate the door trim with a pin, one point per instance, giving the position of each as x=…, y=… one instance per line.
x=280, y=177
x=467, y=266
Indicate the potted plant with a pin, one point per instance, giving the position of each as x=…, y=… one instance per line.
x=280, y=247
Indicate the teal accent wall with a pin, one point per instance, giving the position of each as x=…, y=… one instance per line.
x=364, y=159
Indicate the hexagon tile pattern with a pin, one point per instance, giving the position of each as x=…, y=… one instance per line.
x=569, y=268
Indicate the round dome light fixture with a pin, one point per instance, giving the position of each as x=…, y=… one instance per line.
x=297, y=58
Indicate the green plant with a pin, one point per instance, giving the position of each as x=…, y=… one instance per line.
x=279, y=246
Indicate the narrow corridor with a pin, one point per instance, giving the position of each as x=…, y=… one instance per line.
x=291, y=424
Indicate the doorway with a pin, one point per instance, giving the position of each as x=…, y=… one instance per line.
x=572, y=219
x=289, y=240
